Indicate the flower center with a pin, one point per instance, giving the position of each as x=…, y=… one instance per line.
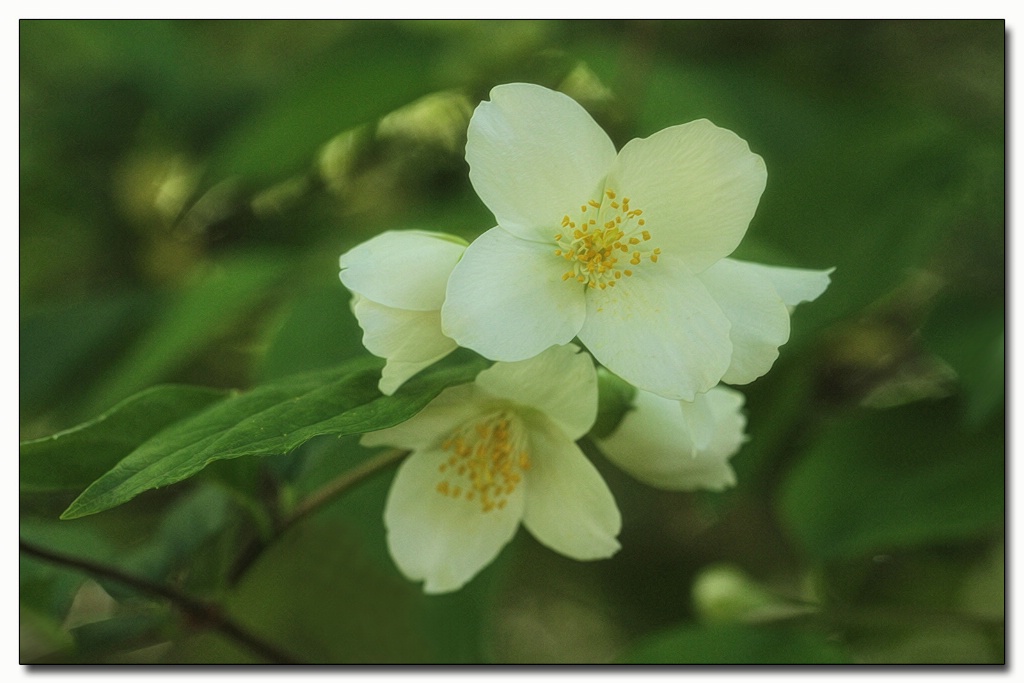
x=487, y=462
x=604, y=241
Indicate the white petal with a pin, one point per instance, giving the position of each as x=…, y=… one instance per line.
x=409, y=340
x=560, y=382
x=726, y=409
x=535, y=155
x=432, y=425
x=698, y=421
x=654, y=444
x=396, y=372
x=438, y=539
x=698, y=186
x=651, y=441
x=794, y=285
x=402, y=269
x=506, y=299
x=759, y=317
x=659, y=330
x=568, y=506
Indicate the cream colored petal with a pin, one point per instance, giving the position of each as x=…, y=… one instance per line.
x=794, y=285
x=396, y=372
x=568, y=506
x=506, y=299
x=428, y=428
x=698, y=186
x=659, y=330
x=402, y=268
x=535, y=155
x=759, y=317
x=409, y=340
x=651, y=442
x=560, y=382
x=727, y=411
x=441, y=540
x=698, y=421
x=655, y=444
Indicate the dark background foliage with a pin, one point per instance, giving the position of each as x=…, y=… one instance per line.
x=186, y=188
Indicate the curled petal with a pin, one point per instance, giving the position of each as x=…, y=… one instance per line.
x=698, y=421
x=726, y=409
x=794, y=285
x=654, y=444
x=759, y=317
x=402, y=268
x=409, y=340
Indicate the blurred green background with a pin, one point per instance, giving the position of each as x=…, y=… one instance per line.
x=186, y=188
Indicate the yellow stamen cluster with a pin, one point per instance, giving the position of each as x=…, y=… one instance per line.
x=604, y=234
x=487, y=461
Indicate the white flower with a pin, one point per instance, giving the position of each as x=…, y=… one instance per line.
x=680, y=445
x=398, y=281
x=491, y=454
x=626, y=251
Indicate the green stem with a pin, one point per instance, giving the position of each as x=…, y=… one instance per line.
x=204, y=612
x=902, y=616
x=867, y=617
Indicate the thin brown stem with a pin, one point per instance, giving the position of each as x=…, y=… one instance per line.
x=336, y=487
x=204, y=612
x=312, y=503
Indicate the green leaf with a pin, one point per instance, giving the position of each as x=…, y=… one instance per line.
x=894, y=478
x=272, y=419
x=736, y=644
x=202, y=312
x=62, y=343
x=73, y=459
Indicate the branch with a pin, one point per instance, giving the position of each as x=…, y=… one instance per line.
x=204, y=612
x=332, y=489
x=312, y=503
